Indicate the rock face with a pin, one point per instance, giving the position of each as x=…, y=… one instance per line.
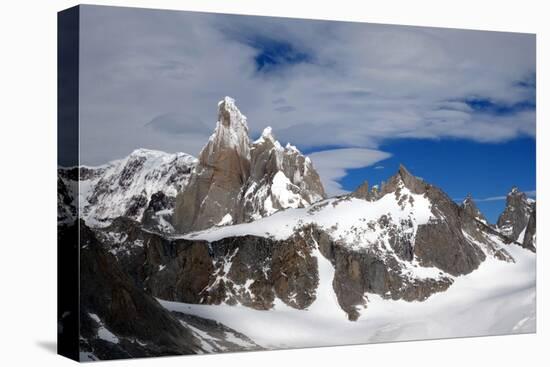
x=440, y=242
x=238, y=181
x=66, y=198
x=248, y=270
x=469, y=208
x=216, y=184
x=513, y=221
x=530, y=238
x=119, y=320
x=159, y=212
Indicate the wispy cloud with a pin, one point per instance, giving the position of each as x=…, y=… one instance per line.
x=316, y=83
x=332, y=164
x=530, y=193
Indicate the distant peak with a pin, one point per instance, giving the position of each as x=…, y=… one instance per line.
x=226, y=101
x=469, y=199
x=405, y=178
x=403, y=171
x=147, y=152
x=292, y=148
x=514, y=190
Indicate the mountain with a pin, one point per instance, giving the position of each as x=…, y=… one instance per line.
x=407, y=241
x=119, y=320
x=169, y=244
x=142, y=186
x=517, y=215
x=237, y=180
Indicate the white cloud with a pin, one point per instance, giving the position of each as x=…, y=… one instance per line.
x=364, y=83
x=332, y=164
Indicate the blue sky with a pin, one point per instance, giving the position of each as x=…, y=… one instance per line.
x=455, y=106
x=459, y=167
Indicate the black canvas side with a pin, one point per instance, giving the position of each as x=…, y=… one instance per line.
x=68, y=156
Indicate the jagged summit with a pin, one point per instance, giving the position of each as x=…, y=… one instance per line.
x=229, y=138
x=406, y=179
x=238, y=180
x=517, y=213
x=468, y=199
x=470, y=208
x=268, y=138
x=513, y=190
x=229, y=114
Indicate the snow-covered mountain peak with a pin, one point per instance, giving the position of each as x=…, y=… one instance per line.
x=292, y=148
x=267, y=138
x=125, y=187
x=267, y=134
x=229, y=115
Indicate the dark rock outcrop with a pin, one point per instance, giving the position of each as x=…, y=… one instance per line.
x=249, y=270
x=158, y=214
x=529, y=241
x=513, y=221
x=119, y=320
x=470, y=210
x=367, y=271
x=363, y=192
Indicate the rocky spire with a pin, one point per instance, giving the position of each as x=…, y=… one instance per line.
x=228, y=148
x=513, y=221
x=362, y=192
x=404, y=177
x=214, y=189
x=237, y=180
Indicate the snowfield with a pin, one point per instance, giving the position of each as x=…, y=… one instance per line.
x=355, y=218
x=498, y=298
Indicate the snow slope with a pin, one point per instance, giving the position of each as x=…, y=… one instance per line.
x=355, y=219
x=498, y=298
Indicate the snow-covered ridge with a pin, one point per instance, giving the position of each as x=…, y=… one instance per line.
x=124, y=187
x=349, y=219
